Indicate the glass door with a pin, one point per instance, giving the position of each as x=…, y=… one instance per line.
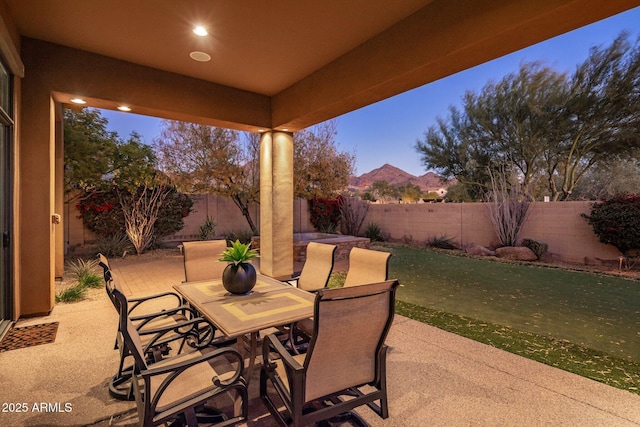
x=6, y=205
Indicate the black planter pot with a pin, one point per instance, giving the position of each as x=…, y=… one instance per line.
x=239, y=279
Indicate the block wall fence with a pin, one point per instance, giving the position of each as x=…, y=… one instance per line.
x=559, y=224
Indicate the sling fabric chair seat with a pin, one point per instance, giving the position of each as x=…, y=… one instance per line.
x=314, y=276
x=346, y=357
x=201, y=260
x=317, y=267
x=173, y=388
x=365, y=266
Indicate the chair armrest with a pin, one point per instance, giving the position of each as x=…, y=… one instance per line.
x=146, y=318
x=272, y=343
x=139, y=301
x=191, y=327
x=175, y=369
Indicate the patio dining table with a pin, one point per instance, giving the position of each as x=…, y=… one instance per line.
x=270, y=304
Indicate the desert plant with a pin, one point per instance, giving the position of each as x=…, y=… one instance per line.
x=207, y=230
x=353, y=211
x=113, y=245
x=238, y=253
x=84, y=273
x=374, y=233
x=442, y=242
x=508, y=208
x=141, y=213
x=617, y=222
x=70, y=294
x=81, y=268
x=536, y=247
x=244, y=236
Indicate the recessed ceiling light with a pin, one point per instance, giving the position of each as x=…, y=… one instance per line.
x=78, y=101
x=200, y=31
x=124, y=108
x=200, y=56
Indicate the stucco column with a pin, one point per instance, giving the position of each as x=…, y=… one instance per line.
x=276, y=204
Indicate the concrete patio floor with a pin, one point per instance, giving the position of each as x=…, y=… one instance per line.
x=434, y=377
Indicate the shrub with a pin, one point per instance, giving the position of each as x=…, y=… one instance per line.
x=325, y=214
x=207, y=231
x=84, y=273
x=244, y=236
x=536, y=247
x=617, y=222
x=442, y=242
x=353, y=212
x=101, y=212
x=373, y=232
x=70, y=294
x=114, y=245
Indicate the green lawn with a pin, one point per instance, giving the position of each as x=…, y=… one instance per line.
x=585, y=323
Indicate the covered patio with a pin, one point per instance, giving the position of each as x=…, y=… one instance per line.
x=276, y=67
x=434, y=377
x=268, y=67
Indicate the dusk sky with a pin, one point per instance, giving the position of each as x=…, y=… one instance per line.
x=386, y=132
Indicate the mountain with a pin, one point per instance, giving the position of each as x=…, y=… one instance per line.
x=396, y=176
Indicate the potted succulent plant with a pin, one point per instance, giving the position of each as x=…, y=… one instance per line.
x=239, y=277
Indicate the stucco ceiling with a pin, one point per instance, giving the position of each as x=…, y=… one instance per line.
x=256, y=45
x=311, y=60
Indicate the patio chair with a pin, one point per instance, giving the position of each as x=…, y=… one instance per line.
x=187, y=326
x=201, y=260
x=314, y=276
x=367, y=266
x=346, y=357
x=317, y=268
x=176, y=388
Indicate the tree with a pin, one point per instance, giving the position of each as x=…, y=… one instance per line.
x=608, y=179
x=114, y=179
x=409, y=193
x=206, y=159
x=89, y=149
x=384, y=191
x=601, y=112
x=552, y=128
x=320, y=170
x=97, y=159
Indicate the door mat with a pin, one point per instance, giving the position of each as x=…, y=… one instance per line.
x=28, y=336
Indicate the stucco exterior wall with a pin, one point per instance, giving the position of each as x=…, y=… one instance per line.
x=225, y=214
x=558, y=224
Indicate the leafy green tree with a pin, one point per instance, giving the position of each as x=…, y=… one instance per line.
x=384, y=191
x=112, y=176
x=320, y=169
x=89, y=149
x=551, y=127
x=617, y=222
x=608, y=179
x=410, y=193
x=206, y=159
x=97, y=159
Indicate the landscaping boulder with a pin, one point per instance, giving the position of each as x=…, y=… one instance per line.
x=517, y=253
x=474, y=249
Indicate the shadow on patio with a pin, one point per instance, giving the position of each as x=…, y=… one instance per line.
x=434, y=377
